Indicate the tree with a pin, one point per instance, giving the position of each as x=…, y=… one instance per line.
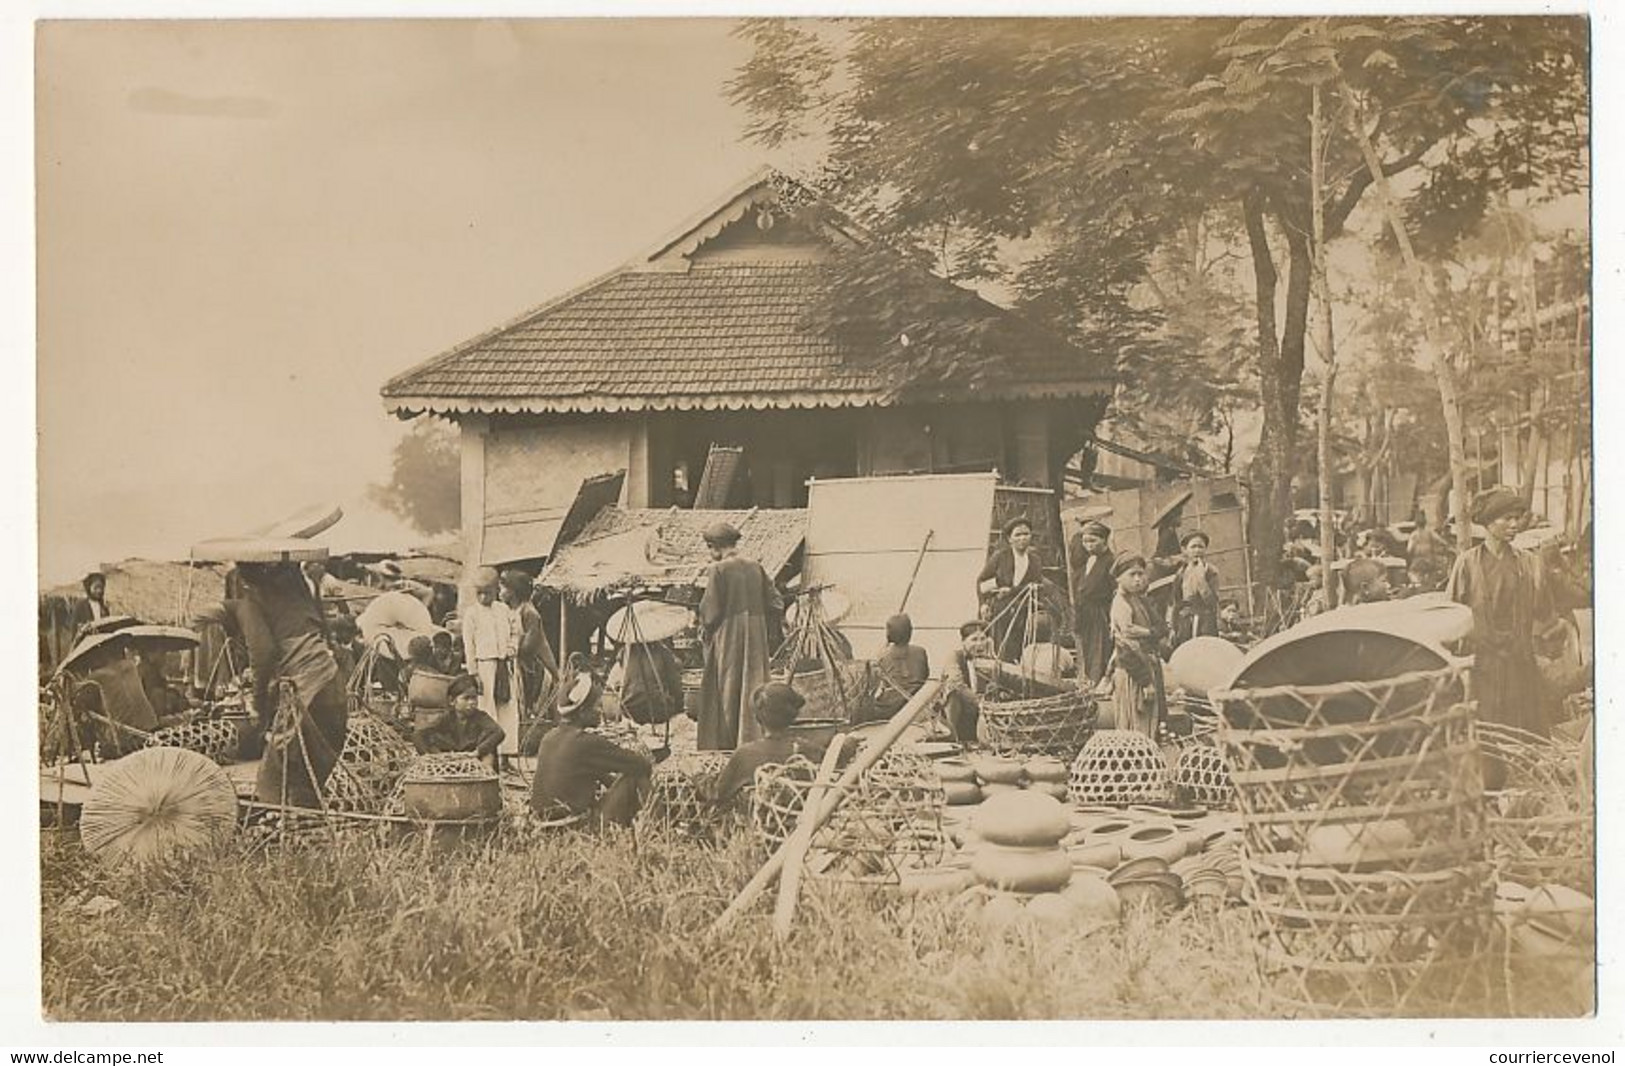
x=1091, y=142
x=425, y=485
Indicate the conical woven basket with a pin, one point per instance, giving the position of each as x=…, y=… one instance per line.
x=1118, y=767
x=1201, y=777
x=155, y=803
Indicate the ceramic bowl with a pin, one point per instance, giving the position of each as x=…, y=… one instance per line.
x=1154, y=841
x=1114, y=831
x=1138, y=868
x=1105, y=854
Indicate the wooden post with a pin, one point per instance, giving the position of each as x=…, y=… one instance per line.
x=790, y=884
x=827, y=804
x=564, y=632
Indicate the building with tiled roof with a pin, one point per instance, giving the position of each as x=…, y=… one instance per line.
x=705, y=341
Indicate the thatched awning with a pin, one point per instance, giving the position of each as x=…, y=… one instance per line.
x=627, y=548
x=170, y=594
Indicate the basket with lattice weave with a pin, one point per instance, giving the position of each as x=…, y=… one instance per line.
x=1364, y=842
x=1118, y=767
x=840, y=690
x=677, y=794
x=1056, y=725
x=1542, y=829
x=1202, y=778
x=370, y=767
x=889, y=821
x=219, y=739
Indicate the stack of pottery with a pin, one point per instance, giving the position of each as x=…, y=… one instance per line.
x=1018, y=846
x=971, y=780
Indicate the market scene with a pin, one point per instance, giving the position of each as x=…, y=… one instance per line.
x=966, y=575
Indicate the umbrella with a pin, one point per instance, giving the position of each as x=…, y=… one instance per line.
x=647, y=621
x=110, y=623
x=257, y=550
x=303, y=523
x=140, y=637
x=84, y=654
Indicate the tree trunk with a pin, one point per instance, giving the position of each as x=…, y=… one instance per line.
x=1323, y=308
x=1269, y=475
x=1449, y=396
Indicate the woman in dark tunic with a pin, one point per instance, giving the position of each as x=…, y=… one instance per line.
x=1010, y=571
x=296, y=681
x=1092, y=590
x=734, y=616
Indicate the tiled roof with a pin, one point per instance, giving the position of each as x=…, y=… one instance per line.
x=628, y=548
x=722, y=334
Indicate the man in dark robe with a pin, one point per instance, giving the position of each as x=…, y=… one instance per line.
x=1092, y=590
x=297, y=687
x=734, y=614
x=1506, y=590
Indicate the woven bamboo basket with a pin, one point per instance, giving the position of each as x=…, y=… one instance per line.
x=156, y=803
x=1202, y=778
x=1057, y=725
x=1542, y=828
x=677, y=790
x=889, y=822
x=1118, y=767
x=1364, y=850
x=374, y=759
x=218, y=739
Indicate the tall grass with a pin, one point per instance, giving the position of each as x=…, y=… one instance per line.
x=533, y=926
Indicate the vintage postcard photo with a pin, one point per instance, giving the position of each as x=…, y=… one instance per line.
x=815, y=519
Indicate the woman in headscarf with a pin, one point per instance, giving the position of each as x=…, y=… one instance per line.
x=537, y=664
x=1092, y=590
x=734, y=614
x=1507, y=592
x=1008, y=573
x=490, y=642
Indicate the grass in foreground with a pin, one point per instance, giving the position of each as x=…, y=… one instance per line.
x=557, y=927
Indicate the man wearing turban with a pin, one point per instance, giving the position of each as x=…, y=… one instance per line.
x=739, y=595
x=1505, y=588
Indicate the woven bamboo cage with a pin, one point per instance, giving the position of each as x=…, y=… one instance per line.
x=1201, y=777
x=889, y=822
x=374, y=759
x=1542, y=828
x=1057, y=725
x=1118, y=767
x=677, y=796
x=1364, y=849
x=217, y=739
x=156, y=803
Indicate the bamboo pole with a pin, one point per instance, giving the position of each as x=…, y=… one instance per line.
x=1318, y=140
x=925, y=546
x=784, y=913
x=820, y=814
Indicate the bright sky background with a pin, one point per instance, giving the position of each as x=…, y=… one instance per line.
x=245, y=228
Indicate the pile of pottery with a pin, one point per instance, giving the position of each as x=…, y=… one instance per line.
x=978, y=777
x=1159, y=857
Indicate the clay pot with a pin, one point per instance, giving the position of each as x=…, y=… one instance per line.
x=1134, y=868
x=1345, y=844
x=1049, y=788
x=1154, y=841
x=1054, y=912
x=1045, y=769
x=1114, y=832
x=1022, y=869
x=997, y=770
x=952, y=770
x=1022, y=818
x=961, y=793
x=1106, y=855
x=1097, y=899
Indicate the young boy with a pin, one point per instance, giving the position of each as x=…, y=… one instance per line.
x=1137, y=682
x=1197, y=588
x=1366, y=581
x=465, y=727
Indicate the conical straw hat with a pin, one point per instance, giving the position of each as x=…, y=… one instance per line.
x=156, y=802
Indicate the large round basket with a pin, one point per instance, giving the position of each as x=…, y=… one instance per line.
x=1057, y=725
x=452, y=788
x=156, y=803
x=1365, y=847
x=219, y=739
x=1118, y=767
x=677, y=794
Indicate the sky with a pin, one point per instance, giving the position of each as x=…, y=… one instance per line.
x=245, y=228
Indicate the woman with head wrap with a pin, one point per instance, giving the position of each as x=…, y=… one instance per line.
x=734, y=615
x=1092, y=590
x=490, y=642
x=537, y=664
x=1137, y=692
x=1505, y=588
x=1008, y=573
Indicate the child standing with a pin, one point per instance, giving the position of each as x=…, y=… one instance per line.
x=1197, y=604
x=1137, y=682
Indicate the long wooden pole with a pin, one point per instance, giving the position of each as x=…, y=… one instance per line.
x=826, y=806
x=784, y=913
x=925, y=546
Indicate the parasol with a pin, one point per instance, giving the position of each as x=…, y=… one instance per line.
x=141, y=637
x=647, y=621
x=304, y=523
x=257, y=550
x=157, y=801
x=109, y=624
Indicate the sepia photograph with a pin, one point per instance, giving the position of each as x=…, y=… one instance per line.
x=814, y=519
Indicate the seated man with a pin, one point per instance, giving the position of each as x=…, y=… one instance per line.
x=963, y=685
x=775, y=706
x=900, y=670
x=1044, y=660
x=464, y=727
x=571, y=764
